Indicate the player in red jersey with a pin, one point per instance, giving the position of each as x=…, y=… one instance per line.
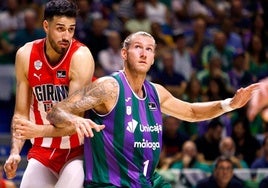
x=47, y=71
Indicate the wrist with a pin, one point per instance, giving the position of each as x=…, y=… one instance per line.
x=225, y=105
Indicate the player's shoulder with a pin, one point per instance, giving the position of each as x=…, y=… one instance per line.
x=106, y=80
x=25, y=49
x=83, y=50
x=159, y=87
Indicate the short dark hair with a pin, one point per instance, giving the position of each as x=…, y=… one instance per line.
x=66, y=8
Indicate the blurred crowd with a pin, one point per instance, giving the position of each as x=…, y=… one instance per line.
x=206, y=50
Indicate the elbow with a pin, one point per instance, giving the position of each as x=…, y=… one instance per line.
x=54, y=116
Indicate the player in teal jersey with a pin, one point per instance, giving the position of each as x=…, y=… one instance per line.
x=126, y=152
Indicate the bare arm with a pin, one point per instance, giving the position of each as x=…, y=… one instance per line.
x=193, y=112
x=23, y=98
x=101, y=95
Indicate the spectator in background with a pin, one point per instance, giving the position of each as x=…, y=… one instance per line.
x=262, y=161
x=4, y=183
x=196, y=40
x=124, y=11
x=96, y=39
x=173, y=81
x=173, y=139
x=83, y=20
x=256, y=59
x=228, y=150
x=257, y=28
x=110, y=58
x=189, y=159
x=30, y=32
x=239, y=76
x=208, y=143
x=215, y=72
x=6, y=50
x=159, y=35
x=240, y=16
x=222, y=177
x=182, y=56
x=193, y=92
x=233, y=39
x=157, y=11
x=139, y=22
x=219, y=48
x=247, y=146
x=11, y=19
x=218, y=8
x=184, y=11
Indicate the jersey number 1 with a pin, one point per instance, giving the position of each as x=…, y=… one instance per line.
x=146, y=164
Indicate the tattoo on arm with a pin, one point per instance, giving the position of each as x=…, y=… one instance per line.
x=94, y=94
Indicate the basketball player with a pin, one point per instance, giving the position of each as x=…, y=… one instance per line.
x=47, y=70
x=126, y=152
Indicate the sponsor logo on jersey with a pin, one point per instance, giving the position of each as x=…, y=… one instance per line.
x=128, y=99
x=131, y=126
x=49, y=93
x=146, y=128
x=152, y=106
x=38, y=76
x=61, y=74
x=147, y=144
x=38, y=64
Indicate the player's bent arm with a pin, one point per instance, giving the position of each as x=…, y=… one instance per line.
x=101, y=95
x=81, y=73
x=26, y=129
x=203, y=110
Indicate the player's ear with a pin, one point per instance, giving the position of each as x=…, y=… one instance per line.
x=124, y=53
x=45, y=26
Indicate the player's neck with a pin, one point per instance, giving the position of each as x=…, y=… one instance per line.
x=136, y=82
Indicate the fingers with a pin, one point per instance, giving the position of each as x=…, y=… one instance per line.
x=84, y=128
x=10, y=171
x=19, y=132
x=11, y=166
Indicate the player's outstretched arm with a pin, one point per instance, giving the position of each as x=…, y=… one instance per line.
x=203, y=110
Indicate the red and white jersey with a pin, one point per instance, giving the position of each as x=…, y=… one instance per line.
x=49, y=86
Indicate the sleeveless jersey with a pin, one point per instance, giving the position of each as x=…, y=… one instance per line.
x=49, y=86
x=126, y=152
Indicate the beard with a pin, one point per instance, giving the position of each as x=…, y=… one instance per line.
x=58, y=49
